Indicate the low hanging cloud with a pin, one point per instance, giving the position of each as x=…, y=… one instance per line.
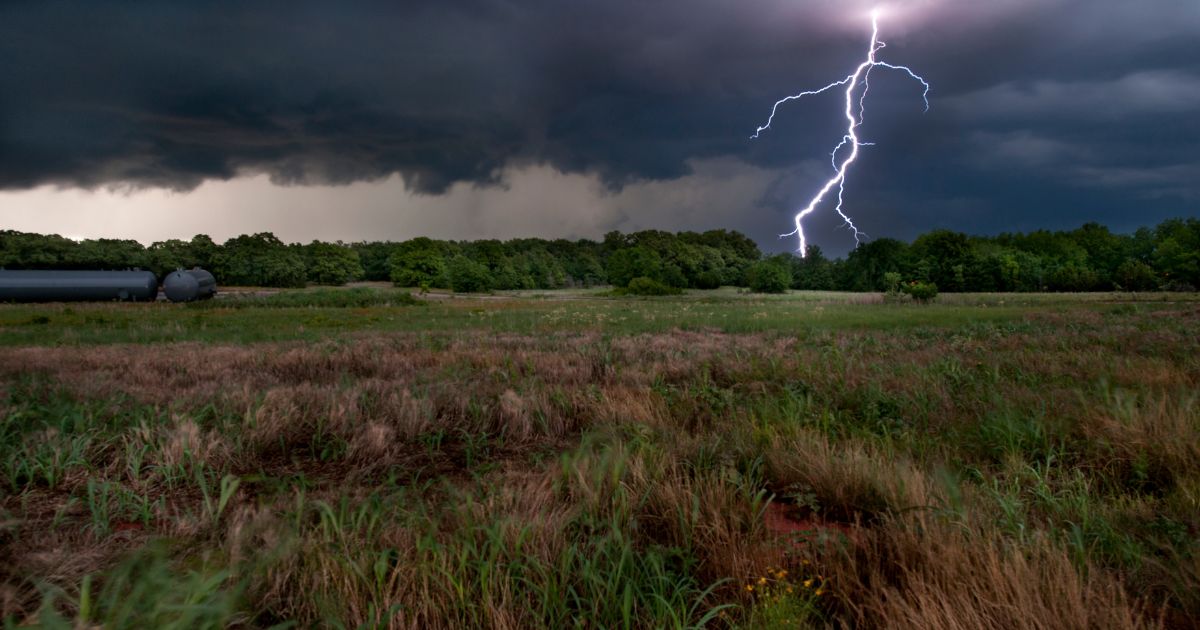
x=533, y=201
x=1136, y=95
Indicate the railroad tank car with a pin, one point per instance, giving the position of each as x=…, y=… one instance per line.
x=189, y=285
x=77, y=286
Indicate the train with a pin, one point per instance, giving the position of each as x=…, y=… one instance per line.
x=104, y=286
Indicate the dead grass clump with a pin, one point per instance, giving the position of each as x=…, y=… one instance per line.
x=384, y=403
x=515, y=415
x=282, y=419
x=374, y=442
x=1155, y=439
x=714, y=515
x=628, y=405
x=924, y=574
x=848, y=482
x=179, y=446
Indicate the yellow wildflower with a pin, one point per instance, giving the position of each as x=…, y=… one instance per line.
x=808, y=583
x=762, y=580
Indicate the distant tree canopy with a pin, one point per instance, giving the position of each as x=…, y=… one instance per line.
x=1090, y=258
x=258, y=260
x=331, y=263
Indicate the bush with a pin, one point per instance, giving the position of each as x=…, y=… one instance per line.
x=921, y=291
x=468, y=276
x=648, y=286
x=895, y=288
x=769, y=276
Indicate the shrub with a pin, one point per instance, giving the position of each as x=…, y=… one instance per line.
x=921, y=291
x=894, y=284
x=648, y=286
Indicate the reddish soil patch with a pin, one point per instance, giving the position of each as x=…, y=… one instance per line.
x=782, y=519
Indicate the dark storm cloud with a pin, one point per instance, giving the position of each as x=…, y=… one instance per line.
x=1081, y=108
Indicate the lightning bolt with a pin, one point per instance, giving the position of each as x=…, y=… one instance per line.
x=861, y=76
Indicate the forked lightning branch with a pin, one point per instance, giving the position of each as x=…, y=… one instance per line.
x=860, y=78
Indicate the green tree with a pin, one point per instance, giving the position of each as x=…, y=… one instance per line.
x=1177, y=252
x=258, y=260
x=543, y=270
x=468, y=276
x=736, y=252
x=108, y=253
x=1105, y=251
x=204, y=250
x=773, y=275
x=331, y=263
x=585, y=268
x=374, y=259
x=418, y=262
x=865, y=266
x=947, y=255
x=167, y=256
x=1073, y=276
x=633, y=262
x=23, y=250
x=1135, y=275
x=1010, y=271
x=813, y=272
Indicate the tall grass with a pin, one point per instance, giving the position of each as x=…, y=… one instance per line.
x=1034, y=470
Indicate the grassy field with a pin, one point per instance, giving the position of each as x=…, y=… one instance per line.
x=363, y=458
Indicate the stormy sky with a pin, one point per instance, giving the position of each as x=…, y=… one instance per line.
x=505, y=118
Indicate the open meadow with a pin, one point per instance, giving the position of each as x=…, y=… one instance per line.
x=371, y=458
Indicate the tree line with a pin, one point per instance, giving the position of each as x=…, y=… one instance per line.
x=1090, y=258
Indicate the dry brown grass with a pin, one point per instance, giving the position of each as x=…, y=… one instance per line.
x=922, y=574
x=684, y=435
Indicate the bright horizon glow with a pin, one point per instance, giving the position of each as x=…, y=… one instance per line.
x=861, y=75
